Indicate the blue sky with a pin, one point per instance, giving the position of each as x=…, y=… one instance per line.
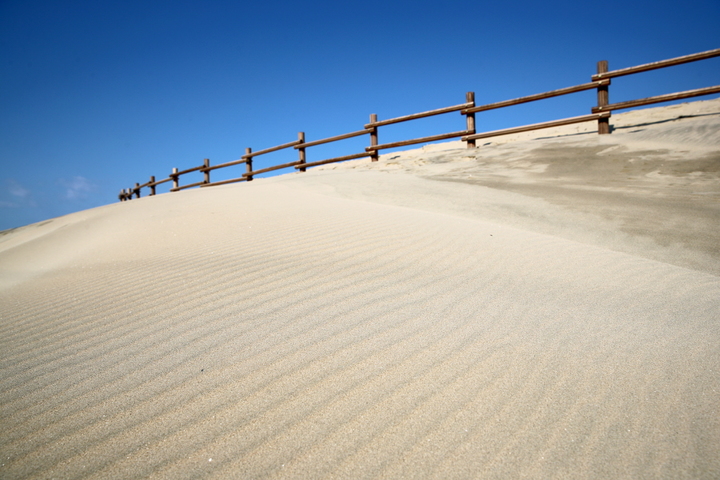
x=96, y=96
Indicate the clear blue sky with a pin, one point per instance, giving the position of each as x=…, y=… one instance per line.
x=98, y=95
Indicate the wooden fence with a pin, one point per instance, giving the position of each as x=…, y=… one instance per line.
x=600, y=113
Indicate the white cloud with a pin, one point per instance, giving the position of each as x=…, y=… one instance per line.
x=15, y=195
x=17, y=190
x=77, y=187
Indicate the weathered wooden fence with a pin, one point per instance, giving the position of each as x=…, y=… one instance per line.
x=600, y=113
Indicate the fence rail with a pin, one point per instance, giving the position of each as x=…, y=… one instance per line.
x=601, y=113
x=337, y=159
x=429, y=113
x=538, y=96
x=403, y=143
x=333, y=139
x=538, y=126
x=661, y=64
x=658, y=99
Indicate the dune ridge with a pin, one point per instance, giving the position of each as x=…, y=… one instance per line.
x=348, y=322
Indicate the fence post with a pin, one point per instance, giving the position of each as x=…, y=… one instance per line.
x=301, y=151
x=152, y=185
x=206, y=173
x=248, y=165
x=603, y=99
x=175, y=176
x=121, y=195
x=470, y=118
x=374, y=138
x=137, y=190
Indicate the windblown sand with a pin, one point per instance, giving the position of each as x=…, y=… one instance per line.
x=533, y=308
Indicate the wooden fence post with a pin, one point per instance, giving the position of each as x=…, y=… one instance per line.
x=374, y=138
x=137, y=190
x=301, y=151
x=248, y=164
x=603, y=98
x=175, y=178
x=152, y=185
x=206, y=173
x=121, y=195
x=470, y=119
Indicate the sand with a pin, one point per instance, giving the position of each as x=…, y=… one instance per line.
x=544, y=306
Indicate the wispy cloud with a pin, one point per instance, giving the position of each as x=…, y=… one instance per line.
x=77, y=187
x=17, y=190
x=15, y=195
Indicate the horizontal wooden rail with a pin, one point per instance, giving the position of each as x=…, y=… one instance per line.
x=159, y=182
x=224, y=182
x=332, y=139
x=190, y=185
x=223, y=165
x=661, y=64
x=538, y=126
x=189, y=170
x=538, y=96
x=658, y=99
x=270, y=169
x=429, y=113
x=415, y=141
x=334, y=160
x=273, y=149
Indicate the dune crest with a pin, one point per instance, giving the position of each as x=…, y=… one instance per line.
x=435, y=315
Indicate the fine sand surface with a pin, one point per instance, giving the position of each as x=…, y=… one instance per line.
x=544, y=306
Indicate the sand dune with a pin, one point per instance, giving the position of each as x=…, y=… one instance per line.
x=540, y=308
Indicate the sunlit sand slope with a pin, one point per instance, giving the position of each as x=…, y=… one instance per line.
x=315, y=326
x=652, y=188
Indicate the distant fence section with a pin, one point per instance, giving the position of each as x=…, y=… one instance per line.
x=600, y=113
